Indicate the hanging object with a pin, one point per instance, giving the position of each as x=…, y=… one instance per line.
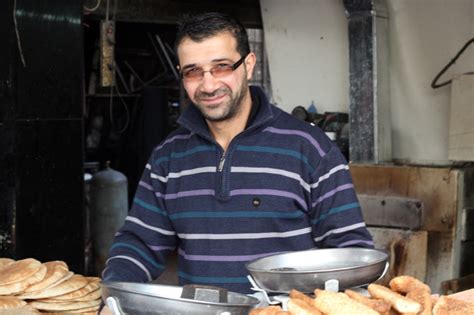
x=107, y=52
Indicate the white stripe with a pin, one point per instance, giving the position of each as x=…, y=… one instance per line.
x=136, y=262
x=340, y=230
x=238, y=236
x=328, y=174
x=103, y=272
x=153, y=228
x=268, y=170
x=199, y=170
x=148, y=166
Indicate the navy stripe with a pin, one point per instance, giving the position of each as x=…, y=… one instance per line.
x=139, y=252
x=147, y=206
x=202, y=279
x=336, y=210
x=236, y=214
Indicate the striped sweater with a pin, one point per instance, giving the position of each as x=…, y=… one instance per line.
x=281, y=185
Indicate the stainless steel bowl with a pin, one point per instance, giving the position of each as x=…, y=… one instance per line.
x=310, y=269
x=140, y=298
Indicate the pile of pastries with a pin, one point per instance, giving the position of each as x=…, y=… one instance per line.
x=28, y=286
x=405, y=295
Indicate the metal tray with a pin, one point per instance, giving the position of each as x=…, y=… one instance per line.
x=310, y=269
x=144, y=298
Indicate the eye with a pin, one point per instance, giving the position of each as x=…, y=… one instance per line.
x=191, y=70
x=223, y=65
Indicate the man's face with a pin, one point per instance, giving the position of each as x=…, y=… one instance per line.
x=218, y=99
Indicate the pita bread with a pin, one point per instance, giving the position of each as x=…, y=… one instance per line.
x=94, y=295
x=19, y=270
x=74, y=283
x=87, y=310
x=25, y=310
x=72, y=296
x=56, y=270
x=9, y=302
x=32, y=295
x=5, y=262
x=63, y=306
x=94, y=279
x=18, y=287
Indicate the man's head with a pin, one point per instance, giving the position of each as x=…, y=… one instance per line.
x=206, y=25
x=215, y=63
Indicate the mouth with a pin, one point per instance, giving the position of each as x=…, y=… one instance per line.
x=212, y=100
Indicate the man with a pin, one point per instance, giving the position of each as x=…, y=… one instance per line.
x=240, y=179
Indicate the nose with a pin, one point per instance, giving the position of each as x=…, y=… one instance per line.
x=208, y=83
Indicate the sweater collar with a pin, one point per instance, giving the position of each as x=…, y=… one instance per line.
x=262, y=112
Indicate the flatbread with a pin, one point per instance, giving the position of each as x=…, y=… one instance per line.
x=74, y=283
x=25, y=310
x=19, y=270
x=9, y=302
x=32, y=295
x=93, y=279
x=87, y=310
x=72, y=296
x=5, y=262
x=63, y=306
x=94, y=295
x=17, y=287
x=56, y=270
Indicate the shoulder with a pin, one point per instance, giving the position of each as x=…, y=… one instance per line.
x=286, y=124
x=176, y=139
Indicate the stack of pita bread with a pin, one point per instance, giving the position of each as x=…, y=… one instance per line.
x=28, y=286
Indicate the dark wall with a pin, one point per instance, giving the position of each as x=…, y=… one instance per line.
x=7, y=174
x=41, y=190
x=168, y=11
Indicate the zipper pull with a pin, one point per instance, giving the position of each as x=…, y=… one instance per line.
x=221, y=163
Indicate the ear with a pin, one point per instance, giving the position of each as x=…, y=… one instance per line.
x=250, y=62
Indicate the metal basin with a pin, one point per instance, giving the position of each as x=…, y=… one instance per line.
x=140, y=298
x=310, y=269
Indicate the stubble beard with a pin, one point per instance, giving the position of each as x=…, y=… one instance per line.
x=225, y=110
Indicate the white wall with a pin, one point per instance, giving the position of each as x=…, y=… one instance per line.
x=307, y=44
x=424, y=36
x=307, y=48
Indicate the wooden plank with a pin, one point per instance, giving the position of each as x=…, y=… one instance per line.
x=389, y=211
x=436, y=188
x=408, y=251
x=440, y=190
x=461, y=118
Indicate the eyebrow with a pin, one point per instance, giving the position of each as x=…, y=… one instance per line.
x=192, y=65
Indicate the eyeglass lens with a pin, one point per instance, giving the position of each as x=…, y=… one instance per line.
x=218, y=71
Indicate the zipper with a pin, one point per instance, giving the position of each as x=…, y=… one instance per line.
x=221, y=163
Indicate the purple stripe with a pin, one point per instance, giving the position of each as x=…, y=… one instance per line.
x=190, y=193
x=143, y=184
x=158, y=248
x=223, y=257
x=333, y=192
x=352, y=242
x=271, y=192
x=305, y=135
x=182, y=137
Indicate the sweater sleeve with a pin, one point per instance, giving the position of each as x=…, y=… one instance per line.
x=335, y=212
x=141, y=246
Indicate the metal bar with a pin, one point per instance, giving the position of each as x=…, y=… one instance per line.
x=168, y=59
x=370, y=127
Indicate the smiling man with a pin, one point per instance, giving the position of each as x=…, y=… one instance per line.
x=239, y=180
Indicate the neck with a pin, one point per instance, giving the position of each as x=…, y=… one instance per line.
x=224, y=131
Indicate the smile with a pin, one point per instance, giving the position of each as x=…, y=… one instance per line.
x=214, y=99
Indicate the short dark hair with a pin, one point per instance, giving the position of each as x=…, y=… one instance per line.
x=203, y=26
